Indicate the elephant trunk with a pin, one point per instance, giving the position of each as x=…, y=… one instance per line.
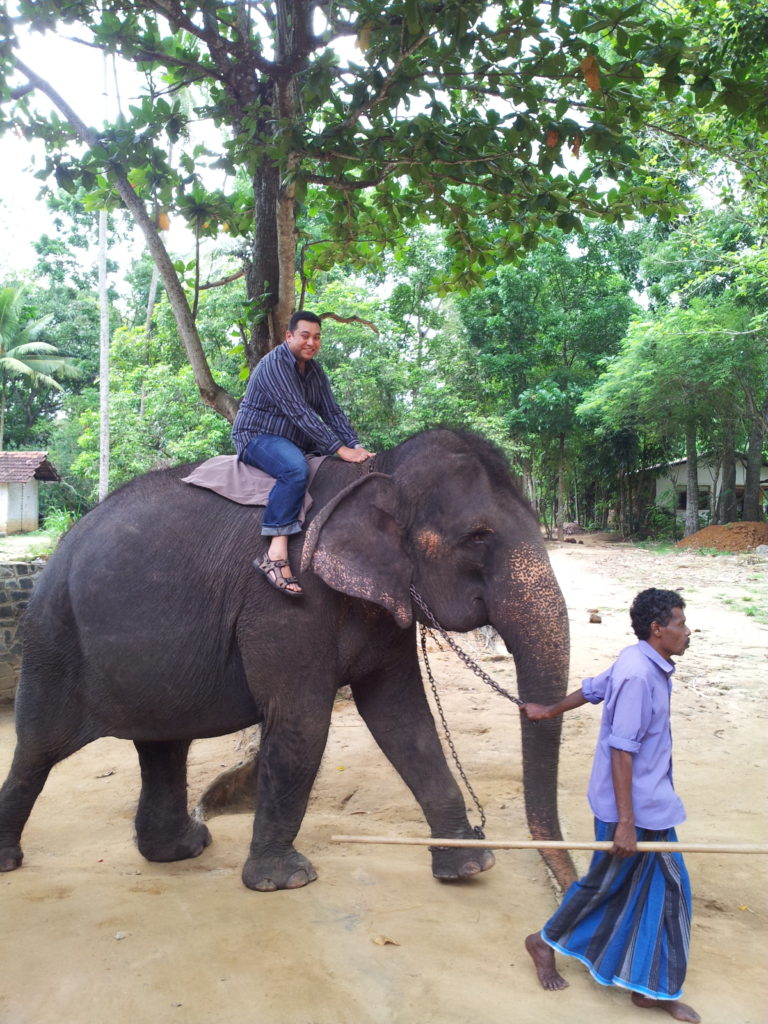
x=529, y=612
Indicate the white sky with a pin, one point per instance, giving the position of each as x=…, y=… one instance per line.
x=77, y=72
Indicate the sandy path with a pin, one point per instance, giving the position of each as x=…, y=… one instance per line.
x=90, y=932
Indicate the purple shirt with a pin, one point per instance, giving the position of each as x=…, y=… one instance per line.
x=636, y=690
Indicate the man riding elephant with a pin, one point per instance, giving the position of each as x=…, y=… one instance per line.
x=288, y=412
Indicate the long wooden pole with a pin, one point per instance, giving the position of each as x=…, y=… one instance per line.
x=552, y=844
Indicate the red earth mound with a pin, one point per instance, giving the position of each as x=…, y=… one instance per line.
x=729, y=537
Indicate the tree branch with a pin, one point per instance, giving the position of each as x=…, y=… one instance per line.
x=352, y=120
x=220, y=48
x=349, y=320
x=224, y=280
x=211, y=392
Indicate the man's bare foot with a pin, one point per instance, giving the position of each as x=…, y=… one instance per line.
x=678, y=1010
x=543, y=957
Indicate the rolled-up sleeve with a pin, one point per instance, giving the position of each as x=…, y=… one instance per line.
x=630, y=711
x=594, y=688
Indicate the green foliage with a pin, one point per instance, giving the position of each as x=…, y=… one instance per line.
x=157, y=418
x=57, y=521
x=25, y=355
x=700, y=356
x=494, y=123
x=542, y=330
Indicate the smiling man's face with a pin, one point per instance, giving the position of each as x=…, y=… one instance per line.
x=304, y=341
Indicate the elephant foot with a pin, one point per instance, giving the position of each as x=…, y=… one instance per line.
x=270, y=873
x=191, y=843
x=450, y=863
x=10, y=858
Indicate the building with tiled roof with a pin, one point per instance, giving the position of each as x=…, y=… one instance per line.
x=19, y=476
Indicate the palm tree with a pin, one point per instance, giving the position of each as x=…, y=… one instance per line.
x=23, y=354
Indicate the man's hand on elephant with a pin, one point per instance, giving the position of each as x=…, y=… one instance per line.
x=354, y=454
x=535, y=712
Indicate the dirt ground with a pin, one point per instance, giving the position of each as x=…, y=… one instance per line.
x=90, y=932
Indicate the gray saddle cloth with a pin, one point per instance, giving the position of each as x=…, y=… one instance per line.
x=237, y=481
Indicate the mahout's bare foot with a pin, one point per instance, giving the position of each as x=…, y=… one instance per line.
x=676, y=1009
x=543, y=957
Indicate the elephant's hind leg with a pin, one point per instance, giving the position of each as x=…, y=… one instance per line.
x=17, y=797
x=164, y=829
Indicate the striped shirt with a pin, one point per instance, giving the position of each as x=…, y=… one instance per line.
x=281, y=400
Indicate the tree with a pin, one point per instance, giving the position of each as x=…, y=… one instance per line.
x=543, y=329
x=719, y=258
x=23, y=353
x=459, y=113
x=675, y=372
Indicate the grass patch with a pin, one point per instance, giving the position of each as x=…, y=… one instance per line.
x=657, y=547
x=25, y=547
x=754, y=605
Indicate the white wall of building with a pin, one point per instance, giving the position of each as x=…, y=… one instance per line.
x=19, y=507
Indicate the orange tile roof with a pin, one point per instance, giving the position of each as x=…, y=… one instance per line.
x=21, y=467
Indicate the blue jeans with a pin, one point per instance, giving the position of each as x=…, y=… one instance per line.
x=285, y=461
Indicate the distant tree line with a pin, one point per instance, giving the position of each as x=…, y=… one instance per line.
x=587, y=362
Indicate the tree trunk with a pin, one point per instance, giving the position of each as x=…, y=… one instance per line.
x=271, y=269
x=103, y=360
x=560, y=476
x=151, y=299
x=727, y=509
x=2, y=409
x=692, y=482
x=752, y=511
x=262, y=274
x=211, y=392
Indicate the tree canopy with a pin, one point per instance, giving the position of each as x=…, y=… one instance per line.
x=344, y=125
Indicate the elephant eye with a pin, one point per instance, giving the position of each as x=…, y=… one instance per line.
x=478, y=536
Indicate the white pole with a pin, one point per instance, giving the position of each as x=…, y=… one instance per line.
x=552, y=844
x=103, y=360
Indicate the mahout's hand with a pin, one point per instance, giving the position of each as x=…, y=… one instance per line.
x=535, y=712
x=624, y=841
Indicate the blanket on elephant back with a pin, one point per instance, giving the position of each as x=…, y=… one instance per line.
x=237, y=481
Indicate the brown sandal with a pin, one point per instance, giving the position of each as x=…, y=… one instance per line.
x=272, y=569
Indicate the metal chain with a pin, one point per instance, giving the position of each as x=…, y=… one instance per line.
x=479, y=830
x=462, y=655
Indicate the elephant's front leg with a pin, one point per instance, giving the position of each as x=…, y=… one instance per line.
x=289, y=757
x=395, y=709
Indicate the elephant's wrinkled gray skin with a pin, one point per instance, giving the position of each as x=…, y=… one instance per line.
x=150, y=624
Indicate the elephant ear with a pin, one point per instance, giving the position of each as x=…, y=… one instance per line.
x=356, y=545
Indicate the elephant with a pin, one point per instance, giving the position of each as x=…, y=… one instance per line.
x=150, y=624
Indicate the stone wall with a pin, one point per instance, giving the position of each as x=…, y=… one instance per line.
x=16, y=582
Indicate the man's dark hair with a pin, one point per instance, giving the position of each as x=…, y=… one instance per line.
x=303, y=314
x=653, y=606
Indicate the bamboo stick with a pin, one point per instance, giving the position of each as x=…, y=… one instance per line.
x=552, y=844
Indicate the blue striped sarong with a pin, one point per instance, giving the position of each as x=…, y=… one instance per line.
x=629, y=919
